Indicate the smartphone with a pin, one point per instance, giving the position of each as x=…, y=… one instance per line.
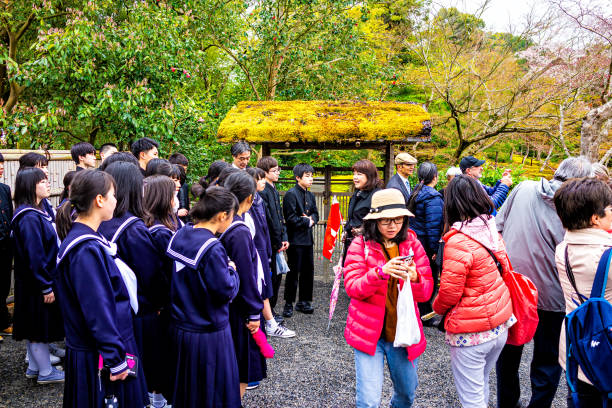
x=407, y=258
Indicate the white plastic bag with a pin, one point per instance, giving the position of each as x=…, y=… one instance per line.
x=281, y=264
x=407, y=331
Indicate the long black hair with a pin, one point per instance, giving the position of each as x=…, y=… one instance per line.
x=426, y=173
x=158, y=195
x=128, y=179
x=85, y=187
x=119, y=157
x=464, y=200
x=25, y=186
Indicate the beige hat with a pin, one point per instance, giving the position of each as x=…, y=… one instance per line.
x=405, y=158
x=388, y=203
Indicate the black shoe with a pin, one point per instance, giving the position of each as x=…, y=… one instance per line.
x=304, y=307
x=288, y=310
x=279, y=318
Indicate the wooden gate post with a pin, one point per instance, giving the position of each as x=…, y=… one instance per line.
x=388, y=172
x=265, y=150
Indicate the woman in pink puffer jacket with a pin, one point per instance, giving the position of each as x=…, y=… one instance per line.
x=373, y=270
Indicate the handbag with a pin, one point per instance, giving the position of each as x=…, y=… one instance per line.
x=524, y=295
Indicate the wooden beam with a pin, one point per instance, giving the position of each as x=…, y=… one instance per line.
x=389, y=160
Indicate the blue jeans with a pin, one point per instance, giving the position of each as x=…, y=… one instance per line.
x=370, y=375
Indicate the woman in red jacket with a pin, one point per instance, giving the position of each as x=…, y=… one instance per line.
x=385, y=258
x=472, y=295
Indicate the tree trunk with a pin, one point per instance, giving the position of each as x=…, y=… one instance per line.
x=591, y=135
x=511, y=154
x=547, y=159
x=526, y=154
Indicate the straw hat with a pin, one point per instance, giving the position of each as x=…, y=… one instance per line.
x=388, y=203
x=405, y=158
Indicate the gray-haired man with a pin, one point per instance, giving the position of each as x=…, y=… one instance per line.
x=531, y=230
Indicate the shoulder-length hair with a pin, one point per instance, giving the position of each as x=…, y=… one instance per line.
x=371, y=232
x=25, y=186
x=369, y=169
x=158, y=195
x=464, y=200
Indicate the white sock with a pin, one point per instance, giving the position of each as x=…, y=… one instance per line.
x=272, y=324
x=40, y=353
x=158, y=400
x=31, y=362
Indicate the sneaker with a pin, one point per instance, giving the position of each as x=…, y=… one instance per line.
x=280, y=331
x=54, y=359
x=31, y=373
x=253, y=385
x=56, y=376
x=7, y=332
x=288, y=310
x=279, y=318
x=57, y=351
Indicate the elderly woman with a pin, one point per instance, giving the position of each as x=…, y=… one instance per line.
x=472, y=294
x=387, y=256
x=366, y=182
x=585, y=208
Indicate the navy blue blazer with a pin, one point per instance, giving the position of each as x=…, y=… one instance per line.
x=203, y=284
x=6, y=212
x=136, y=248
x=397, y=183
x=241, y=249
x=94, y=300
x=428, y=218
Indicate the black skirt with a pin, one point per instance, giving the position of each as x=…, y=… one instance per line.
x=251, y=363
x=33, y=319
x=205, y=374
x=84, y=389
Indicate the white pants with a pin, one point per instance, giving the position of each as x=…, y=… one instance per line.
x=471, y=368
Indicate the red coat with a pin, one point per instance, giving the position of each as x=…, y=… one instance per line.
x=368, y=292
x=471, y=286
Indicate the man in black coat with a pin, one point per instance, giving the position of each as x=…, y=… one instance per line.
x=6, y=255
x=274, y=215
x=300, y=211
x=405, y=165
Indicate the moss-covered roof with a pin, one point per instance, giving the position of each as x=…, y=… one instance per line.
x=325, y=122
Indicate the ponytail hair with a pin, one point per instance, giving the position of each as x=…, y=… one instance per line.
x=213, y=201
x=84, y=188
x=241, y=185
x=426, y=173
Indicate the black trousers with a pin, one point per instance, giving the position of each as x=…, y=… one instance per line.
x=6, y=262
x=545, y=369
x=276, y=281
x=588, y=396
x=301, y=264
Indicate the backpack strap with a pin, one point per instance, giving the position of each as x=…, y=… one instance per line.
x=570, y=276
x=571, y=364
x=122, y=228
x=601, y=277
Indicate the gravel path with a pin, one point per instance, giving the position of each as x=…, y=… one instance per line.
x=314, y=369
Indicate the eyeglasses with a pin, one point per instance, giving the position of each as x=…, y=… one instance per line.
x=385, y=222
x=276, y=170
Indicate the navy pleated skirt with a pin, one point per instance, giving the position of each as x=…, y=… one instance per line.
x=251, y=363
x=33, y=319
x=84, y=389
x=151, y=332
x=206, y=374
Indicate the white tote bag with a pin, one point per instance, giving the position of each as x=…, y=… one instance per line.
x=407, y=332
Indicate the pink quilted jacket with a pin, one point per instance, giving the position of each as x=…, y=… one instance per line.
x=368, y=292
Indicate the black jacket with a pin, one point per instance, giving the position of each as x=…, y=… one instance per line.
x=359, y=207
x=6, y=211
x=299, y=202
x=183, y=196
x=274, y=216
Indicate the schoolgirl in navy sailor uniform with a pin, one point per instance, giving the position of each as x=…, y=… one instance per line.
x=95, y=301
x=203, y=284
x=37, y=316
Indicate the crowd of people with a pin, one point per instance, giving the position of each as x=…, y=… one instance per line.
x=163, y=303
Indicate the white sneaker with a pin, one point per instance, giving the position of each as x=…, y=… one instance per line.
x=57, y=351
x=54, y=359
x=280, y=331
